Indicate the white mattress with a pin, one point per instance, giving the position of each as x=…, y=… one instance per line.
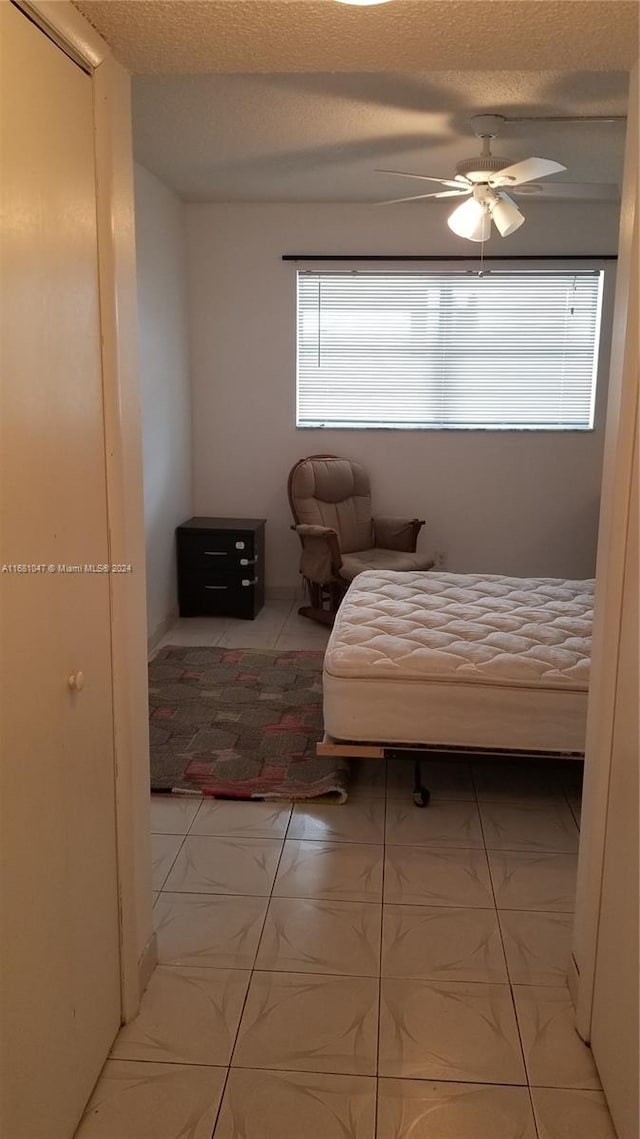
x=460, y=660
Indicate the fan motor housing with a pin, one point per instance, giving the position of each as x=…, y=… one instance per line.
x=480, y=168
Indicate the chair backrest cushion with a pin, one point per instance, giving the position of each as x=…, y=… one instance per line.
x=327, y=491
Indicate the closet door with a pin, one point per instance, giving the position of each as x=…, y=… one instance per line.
x=60, y=935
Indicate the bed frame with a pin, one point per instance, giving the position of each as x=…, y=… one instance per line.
x=421, y=752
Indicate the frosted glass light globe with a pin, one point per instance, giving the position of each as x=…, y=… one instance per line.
x=471, y=220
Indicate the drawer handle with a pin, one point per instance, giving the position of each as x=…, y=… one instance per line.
x=249, y=581
x=216, y=553
x=216, y=586
x=248, y=561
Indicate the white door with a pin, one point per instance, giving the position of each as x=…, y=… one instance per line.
x=60, y=941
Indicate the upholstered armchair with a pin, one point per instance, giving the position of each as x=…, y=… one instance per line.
x=331, y=506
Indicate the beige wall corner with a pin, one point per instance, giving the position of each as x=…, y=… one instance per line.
x=165, y=389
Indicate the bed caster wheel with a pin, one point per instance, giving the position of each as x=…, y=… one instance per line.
x=421, y=797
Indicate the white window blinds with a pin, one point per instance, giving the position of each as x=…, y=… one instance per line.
x=448, y=349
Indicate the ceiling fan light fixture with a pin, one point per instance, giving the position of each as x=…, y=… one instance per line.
x=506, y=215
x=471, y=220
x=486, y=177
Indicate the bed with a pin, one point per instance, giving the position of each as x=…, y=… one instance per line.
x=458, y=662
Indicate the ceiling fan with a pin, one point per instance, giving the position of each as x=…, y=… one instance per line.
x=485, y=179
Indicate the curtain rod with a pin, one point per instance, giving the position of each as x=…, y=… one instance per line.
x=455, y=257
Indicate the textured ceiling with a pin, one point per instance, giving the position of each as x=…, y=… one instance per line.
x=191, y=36
x=300, y=100
x=300, y=137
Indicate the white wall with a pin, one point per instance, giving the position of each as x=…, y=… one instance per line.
x=165, y=386
x=504, y=502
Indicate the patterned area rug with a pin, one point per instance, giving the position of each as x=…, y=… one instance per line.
x=240, y=724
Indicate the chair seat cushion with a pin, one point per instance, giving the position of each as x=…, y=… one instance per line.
x=380, y=559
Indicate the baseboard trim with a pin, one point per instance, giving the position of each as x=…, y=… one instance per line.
x=147, y=962
x=160, y=630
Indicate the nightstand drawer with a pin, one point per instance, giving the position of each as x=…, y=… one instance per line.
x=220, y=551
x=239, y=578
x=236, y=597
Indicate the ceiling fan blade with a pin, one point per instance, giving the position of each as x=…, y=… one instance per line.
x=526, y=171
x=530, y=188
x=594, y=191
x=461, y=192
x=420, y=197
x=424, y=177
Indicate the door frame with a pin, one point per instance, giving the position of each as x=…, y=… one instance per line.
x=622, y=412
x=63, y=24
x=118, y=315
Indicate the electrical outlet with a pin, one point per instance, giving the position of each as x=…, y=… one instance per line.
x=440, y=559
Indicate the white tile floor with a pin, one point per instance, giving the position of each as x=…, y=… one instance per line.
x=276, y=626
x=366, y=971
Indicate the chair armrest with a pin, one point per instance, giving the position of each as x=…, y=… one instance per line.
x=397, y=533
x=321, y=559
x=307, y=531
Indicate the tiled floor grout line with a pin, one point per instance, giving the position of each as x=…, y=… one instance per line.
x=381, y=953
x=221, y=634
x=228, y=1066
x=286, y=622
x=222, y=1095
x=475, y=789
x=511, y=992
x=522, y=1049
x=516, y=1018
x=294, y=898
x=506, y=962
x=269, y=897
x=570, y=806
x=251, y=973
x=173, y=861
x=366, y=902
x=172, y=1063
x=373, y=842
x=412, y=845
x=160, y=889
x=361, y=1076
x=304, y=1071
x=341, y=976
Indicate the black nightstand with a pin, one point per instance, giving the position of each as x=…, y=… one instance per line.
x=221, y=567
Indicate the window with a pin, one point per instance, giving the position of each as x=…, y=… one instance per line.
x=448, y=349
